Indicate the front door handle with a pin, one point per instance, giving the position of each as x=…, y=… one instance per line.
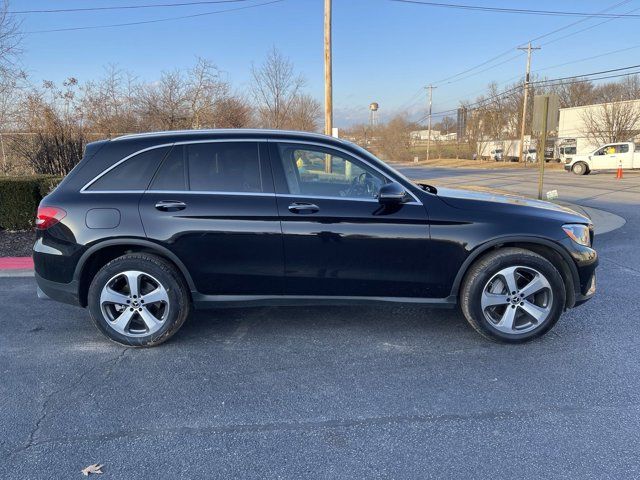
x=303, y=207
x=170, y=205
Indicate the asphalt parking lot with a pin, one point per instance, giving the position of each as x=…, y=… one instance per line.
x=340, y=392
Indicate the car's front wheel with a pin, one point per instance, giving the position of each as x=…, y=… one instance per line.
x=580, y=168
x=139, y=300
x=512, y=295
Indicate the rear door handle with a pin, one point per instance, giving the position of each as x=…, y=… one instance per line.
x=303, y=207
x=170, y=205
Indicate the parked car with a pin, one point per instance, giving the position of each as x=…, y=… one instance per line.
x=530, y=155
x=148, y=226
x=608, y=157
x=497, y=154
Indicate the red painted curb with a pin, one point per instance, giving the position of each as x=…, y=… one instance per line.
x=16, y=263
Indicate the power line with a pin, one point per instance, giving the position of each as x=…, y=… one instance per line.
x=539, y=37
x=544, y=83
x=124, y=7
x=143, y=22
x=546, y=43
x=522, y=11
x=584, y=80
x=551, y=67
x=588, y=74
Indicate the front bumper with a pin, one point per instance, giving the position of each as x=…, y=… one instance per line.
x=585, y=260
x=582, y=298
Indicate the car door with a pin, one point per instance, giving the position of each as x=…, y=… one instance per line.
x=606, y=158
x=338, y=239
x=213, y=205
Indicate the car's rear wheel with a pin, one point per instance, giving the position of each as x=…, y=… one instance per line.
x=139, y=300
x=580, y=168
x=512, y=295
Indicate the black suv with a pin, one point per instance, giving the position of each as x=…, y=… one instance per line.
x=148, y=226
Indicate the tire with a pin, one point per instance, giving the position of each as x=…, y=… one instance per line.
x=488, y=276
x=580, y=168
x=123, y=316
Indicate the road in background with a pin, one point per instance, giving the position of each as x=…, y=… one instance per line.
x=336, y=392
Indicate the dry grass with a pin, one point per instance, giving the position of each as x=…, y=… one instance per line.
x=489, y=165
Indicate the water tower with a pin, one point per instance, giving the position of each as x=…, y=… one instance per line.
x=373, y=114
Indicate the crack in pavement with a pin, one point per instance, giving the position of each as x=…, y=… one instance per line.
x=44, y=409
x=287, y=426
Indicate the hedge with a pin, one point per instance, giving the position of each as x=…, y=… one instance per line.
x=19, y=199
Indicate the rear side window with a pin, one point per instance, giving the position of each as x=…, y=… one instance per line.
x=133, y=174
x=224, y=167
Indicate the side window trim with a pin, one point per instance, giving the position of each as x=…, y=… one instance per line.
x=258, y=141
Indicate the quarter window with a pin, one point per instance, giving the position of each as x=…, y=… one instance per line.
x=320, y=172
x=224, y=167
x=133, y=174
x=171, y=174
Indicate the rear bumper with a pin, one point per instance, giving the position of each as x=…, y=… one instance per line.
x=61, y=292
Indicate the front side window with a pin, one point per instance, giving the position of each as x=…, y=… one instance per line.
x=133, y=174
x=224, y=167
x=315, y=171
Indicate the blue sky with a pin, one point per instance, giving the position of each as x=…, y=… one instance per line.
x=383, y=51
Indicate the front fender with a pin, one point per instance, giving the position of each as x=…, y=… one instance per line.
x=511, y=241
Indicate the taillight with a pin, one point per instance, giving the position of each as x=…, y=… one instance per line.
x=48, y=216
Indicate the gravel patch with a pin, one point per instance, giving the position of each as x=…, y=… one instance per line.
x=16, y=244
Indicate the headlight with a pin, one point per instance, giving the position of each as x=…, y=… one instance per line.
x=578, y=233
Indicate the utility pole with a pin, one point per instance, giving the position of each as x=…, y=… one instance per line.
x=543, y=141
x=328, y=80
x=527, y=75
x=430, y=88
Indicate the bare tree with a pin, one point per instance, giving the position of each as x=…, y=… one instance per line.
x=232, y=112
x=574, y=94
x=395, y=139
x=10, y=40
x=304, y=114
x=109, y=104
x=54, y=119
x=204, y=88
x=611, y=122
x=164, y=105
x=446, y=125
x=275, y=89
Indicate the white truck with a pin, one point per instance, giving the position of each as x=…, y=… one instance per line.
x=608, y=157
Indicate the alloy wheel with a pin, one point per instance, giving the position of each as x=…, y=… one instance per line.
x=134, y=303
x=517, y=300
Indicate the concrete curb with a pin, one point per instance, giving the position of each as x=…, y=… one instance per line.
x=16, y=273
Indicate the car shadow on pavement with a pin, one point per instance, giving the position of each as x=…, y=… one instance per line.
x=232, y=326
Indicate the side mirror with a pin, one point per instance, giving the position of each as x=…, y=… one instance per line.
x=391, y=194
